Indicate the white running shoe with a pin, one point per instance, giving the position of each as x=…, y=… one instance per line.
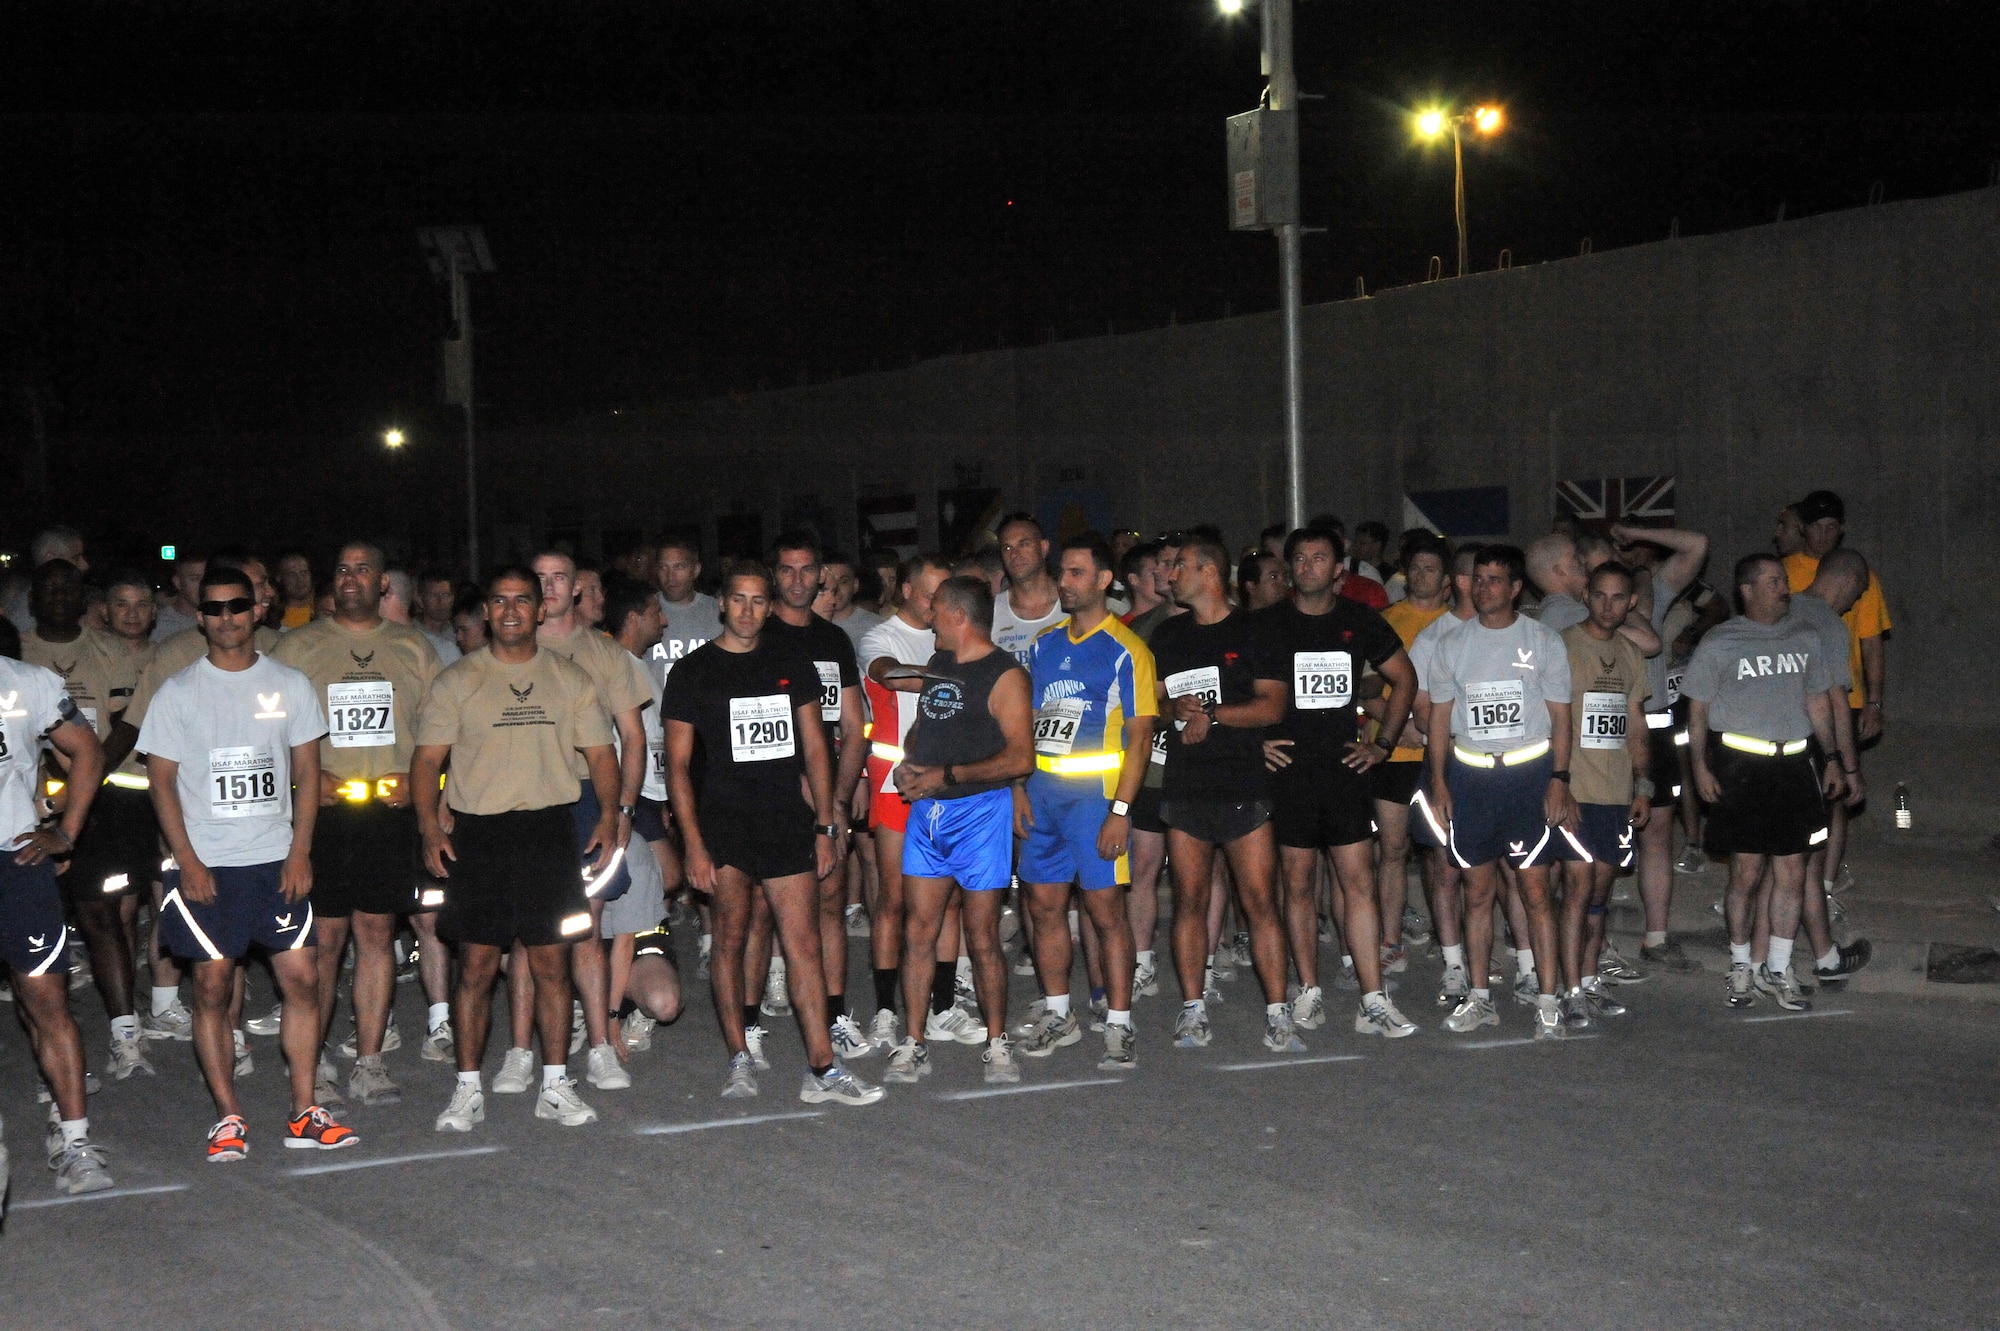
x=1549, y=1019
x=1191, y=1029
x=857, y=921
x=884, y=1032
x=369, y=1084
x=603, y=1070
x=578, y=1031
x=1309, y=1009
x=742, y=1082
x=1472, y=1013
x=1145, y=982
x=176, y=1023
x=848, y=1041
x=438, y=1044
x=269, y=1024
x=1036, y=1011
x=955, y=1024
x=777, y=995
x=839, y=1086
x=753, y=1040
x=1001, y=1065
x=1457, y=984
x=128, y=1055
x=517, y=1073
x=79, y=1169
x=638, y=1030
x=1121, y=1049
x=1279, y=1037
x=1050, y=1034
x=1378, y=1016
x=909, y=1062
x=392, y=1040
x=561, y=1103
x=467, y=1108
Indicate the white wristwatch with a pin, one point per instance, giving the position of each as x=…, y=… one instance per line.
x=1121, y=808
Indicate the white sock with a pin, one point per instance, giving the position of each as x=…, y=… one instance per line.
x=440, y=1013
x=1346, y=962
x=164, y=999
x=1825, y=963
x=75, y=1130
x=1739, y=954
x=1827, y=884
x=1274, y=1010
x=1145, y=959
x=1197, y=1006
x=553, y=1073
x=470, y=1079
x=1656, y=938
x=1207, y=978
x=1589, y=981
x=1117, y=1018
x=1483, y=995
x=125, y=1027
x=1524, y=960
x=1781, y=955
x=1373, y=993
x=1454, y=955
x=1058, y=1005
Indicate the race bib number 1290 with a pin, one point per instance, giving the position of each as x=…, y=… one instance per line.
x=760, y=729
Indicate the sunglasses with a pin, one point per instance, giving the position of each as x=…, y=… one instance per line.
x=235, y=605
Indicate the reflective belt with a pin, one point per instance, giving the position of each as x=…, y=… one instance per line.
x=1659, y=720
x=359, y=791
x=888, y=753
x=1763, y=748
x=1514, y=759
x=126, y=781
x=1079, y=764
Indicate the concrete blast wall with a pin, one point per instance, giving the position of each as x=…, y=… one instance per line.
x=1858, y=351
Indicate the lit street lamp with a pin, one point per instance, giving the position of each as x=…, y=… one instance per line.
x=1431, y=125
x=392, y=438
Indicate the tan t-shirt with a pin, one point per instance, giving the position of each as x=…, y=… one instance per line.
x=609, y=668
x=86, y=668
x=1605, y=679
x=175, y=653
x=371, y=684
x=514, y=730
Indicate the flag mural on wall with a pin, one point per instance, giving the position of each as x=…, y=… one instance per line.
x=1479, y=510
x=1639, y=501
x=889, y=523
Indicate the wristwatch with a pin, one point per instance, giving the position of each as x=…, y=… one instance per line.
x=1560, y=774
x=1208, y=710
x=629, y=810
x=828, y=829
x=1121, y=808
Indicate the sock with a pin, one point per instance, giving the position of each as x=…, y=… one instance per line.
x=1373, y=993
x=1116, y=1018
x=439, y=1014
x=821, y=1072
x=1739, y=954
x=1196, y=1006
x=1825, y=963
x=1455, y=955
x=836, y=1007
x=128, y=1027
x=75, y=1130
x=469, y=1079
x=750, y=1016
x=1781, y=955
x=164, y=999
x=1275, y=1010
x=368, y=1060
x=553, y=1073
x=1656, y=938
x=941, y=990
x=1525, y=961
x=1098, y=994
x=1145, y=959
x=1058, y=1005
x=885, y=988
x=1826, y=885
x=1483, y=995
x=1346, y=961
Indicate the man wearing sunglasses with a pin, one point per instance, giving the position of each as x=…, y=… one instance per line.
x=225, y=740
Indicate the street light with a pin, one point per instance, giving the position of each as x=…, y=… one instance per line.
x=392, y=438
x=1432, y=124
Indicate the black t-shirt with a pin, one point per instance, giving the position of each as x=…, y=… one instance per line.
x=744, y=706
x=1323, y=656
x=830, y=650
x=1220, y=660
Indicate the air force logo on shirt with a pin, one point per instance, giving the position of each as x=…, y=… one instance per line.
x=1524, y=658
x=269, y=702
x=1784, y=663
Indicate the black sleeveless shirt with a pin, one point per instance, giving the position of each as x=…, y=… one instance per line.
x=955, y=726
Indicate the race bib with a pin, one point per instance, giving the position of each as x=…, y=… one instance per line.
x=1603, y=723
x=1674, y=686
x=829, y=689
x=1159, y=746
x=89, y=717
x=242, y=782
x=655, y=785
x=1496, y=709
x=760, y=729
x=1322, y=680
x=361, y=716
x=1056, y=725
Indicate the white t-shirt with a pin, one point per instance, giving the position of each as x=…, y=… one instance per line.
x=233, y=732
x=33, y=701
x=899, y=642
x=654, y=787
x=1499, y=683
x=1012, y=633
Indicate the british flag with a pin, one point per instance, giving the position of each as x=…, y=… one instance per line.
x=1639, y=501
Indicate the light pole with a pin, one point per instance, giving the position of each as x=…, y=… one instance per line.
x=453, y=252
x=1433, y=123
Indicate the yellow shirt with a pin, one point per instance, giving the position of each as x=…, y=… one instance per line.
x=1867, y=618
x=1409, y=619
x=296, y=616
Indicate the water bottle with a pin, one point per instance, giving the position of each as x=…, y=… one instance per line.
x=1902, y=807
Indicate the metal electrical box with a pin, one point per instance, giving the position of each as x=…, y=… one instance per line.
x=1263, y=170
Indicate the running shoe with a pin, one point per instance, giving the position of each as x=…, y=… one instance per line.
x=1414, y=929
x=1742, y=990
x=1279, y=1037
x=1100, y=1012
x=1667, y=957
x=777, y=994
x=848, y=1040
x=1036, y=1011
x=369, y=1084
x=1222, y=966
x=128, y=1055
x=1549, y=1019
x=246, y=1062
x=579, y=1030
x=1783, y=987
x=742, y=1082
x=1612, y=966
x=1527, y=989
x=176, y=1023
x=637, y=1030
x=1212, y=994
x=1001, y=1065
x=467, y=1109
x=79, y=1169
x=1347, y=981
x=1025, y=963
x=1378, y=1016
x=1240, y=952
x=1852, y=958
x=1766, y=983
x=438, y=1043
x=908, y=1063
x=1191, y=1029
x=269, y=1024
x=1576, y=1011
x=701, y=957
x=957, y=1025
x=1602, y=1004
x=1121, y=1049
x=392, y=1040
x=1145, y=982
x=962, y=992
x=1692, y=861
x=1394, y=960
x=326, y=1084
x=517, y=1073
x=603, y=1070
x=1457, y=984
x=228, y=1140
x=561, y=1103
x=839, y=1086
x=1309, y=1009
x=885, y=1030
x=315, y=1130
x=44, y=1096
x=1471, y=1013
x=857, y=921
x=1050, y=1034
x=753, y=1042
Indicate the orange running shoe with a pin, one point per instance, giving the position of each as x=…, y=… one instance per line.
x=228, y=1140
x=315, y=1130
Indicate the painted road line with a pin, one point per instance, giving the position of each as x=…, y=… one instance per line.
x=668, y=1129
x=1800, y=1016
x=1527, y=1039
x=1266, y=1064
x=1030, y=1089
x=376, y=1162
x=104, y=1196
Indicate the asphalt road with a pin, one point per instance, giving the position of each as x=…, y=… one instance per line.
x=1691, y=1166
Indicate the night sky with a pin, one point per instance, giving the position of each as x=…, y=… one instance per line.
x=207, y=230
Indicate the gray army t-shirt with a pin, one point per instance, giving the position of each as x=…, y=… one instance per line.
x=688, y=627
x=1755, y=678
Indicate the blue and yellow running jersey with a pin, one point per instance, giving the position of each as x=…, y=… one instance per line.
x=1083, y=691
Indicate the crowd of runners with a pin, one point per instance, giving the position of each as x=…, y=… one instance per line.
x=577, y=782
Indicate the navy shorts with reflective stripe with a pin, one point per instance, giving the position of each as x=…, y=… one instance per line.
x=33, y=938
x=1496, y=812
x=249, y=907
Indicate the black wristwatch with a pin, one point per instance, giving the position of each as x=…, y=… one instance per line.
x=828, y=829
x=1208, y=710
x=1560, y=774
